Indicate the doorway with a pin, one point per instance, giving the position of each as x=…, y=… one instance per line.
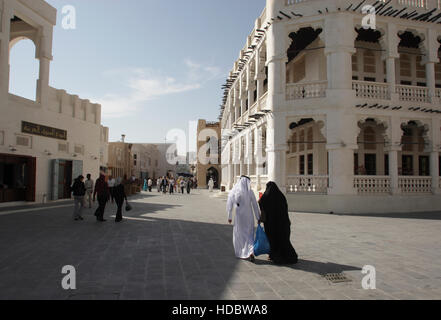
x=17, y=178
x=213, y=173
x=64, y=179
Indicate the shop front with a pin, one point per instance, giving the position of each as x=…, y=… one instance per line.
x=17, y=178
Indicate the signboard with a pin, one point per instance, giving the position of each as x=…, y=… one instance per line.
x=40, y=130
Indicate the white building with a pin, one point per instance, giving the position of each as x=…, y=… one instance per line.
x=46, y=143
x=348, y=119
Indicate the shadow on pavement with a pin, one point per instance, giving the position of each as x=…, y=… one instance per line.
x=417, y=215
x=319, y=268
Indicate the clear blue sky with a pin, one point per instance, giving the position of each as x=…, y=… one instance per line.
x=154, y=65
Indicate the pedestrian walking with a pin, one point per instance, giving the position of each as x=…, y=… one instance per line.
x=243, y=199
x=120, y=196
x=211, y=185
x=189, y=185
x=274, y=210
x=158, y=184
x=172, y=185
x=150, y=185
x=103, y=193
x=182, y=185
x=89, y=190
x=111, y=185
x=79, y=191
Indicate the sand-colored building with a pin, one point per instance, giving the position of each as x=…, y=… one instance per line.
x=208, y=163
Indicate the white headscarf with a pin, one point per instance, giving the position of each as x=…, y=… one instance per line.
x=240, y=193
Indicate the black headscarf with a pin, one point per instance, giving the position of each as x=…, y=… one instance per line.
x=274, y=203
x=274, y=208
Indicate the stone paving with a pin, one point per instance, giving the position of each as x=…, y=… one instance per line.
x=180, y=247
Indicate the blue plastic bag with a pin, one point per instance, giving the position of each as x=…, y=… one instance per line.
x=261, y=244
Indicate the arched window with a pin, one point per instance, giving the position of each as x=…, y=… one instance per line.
x=369, y=139
x=24, y=69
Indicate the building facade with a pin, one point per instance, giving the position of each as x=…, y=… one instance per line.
x=208, y=163
x=120, y=163
x=46, y=143
x=344, y=118
x=145, y=161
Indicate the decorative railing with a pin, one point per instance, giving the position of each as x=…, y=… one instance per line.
x=438, y=93
x=415, y=184
x=371, y=90
x=372, y=184
x=307, y=184
x=423, y=4
x=306, y=90
x=412, y=93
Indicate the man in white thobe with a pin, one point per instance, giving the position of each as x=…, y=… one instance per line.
x=243, y=199
x=211, y=185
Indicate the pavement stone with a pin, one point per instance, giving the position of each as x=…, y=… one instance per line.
x=180, y=247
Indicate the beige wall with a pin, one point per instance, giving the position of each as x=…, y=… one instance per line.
x=205, y=130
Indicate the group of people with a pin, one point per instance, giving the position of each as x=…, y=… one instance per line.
x=171, y=186
x=87, y=192
x=272, y=211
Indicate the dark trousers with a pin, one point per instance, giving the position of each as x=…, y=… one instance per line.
x=119, y=203
x=99, y=213
x=182, y=189
x=112, y=193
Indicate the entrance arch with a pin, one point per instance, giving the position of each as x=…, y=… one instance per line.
x=213, y=173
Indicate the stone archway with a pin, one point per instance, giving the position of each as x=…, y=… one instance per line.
x=213, y=173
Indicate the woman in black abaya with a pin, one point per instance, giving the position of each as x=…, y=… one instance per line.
x=274, y=208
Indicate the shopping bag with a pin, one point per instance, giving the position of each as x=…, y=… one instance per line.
x=128, y=206
x=261, y=244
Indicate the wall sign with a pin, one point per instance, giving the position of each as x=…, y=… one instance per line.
x=40, y=130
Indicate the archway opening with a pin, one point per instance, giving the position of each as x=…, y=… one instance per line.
x=23, y=64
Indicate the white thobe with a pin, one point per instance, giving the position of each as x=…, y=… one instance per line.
x=243, y=233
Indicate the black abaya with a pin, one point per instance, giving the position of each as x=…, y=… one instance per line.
x=274, y=207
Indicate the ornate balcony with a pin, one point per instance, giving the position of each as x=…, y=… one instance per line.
x=415, y=185
x=371, y=90
x=306, y=90
x=372, y=184
x=413, y=94
x=307, y=184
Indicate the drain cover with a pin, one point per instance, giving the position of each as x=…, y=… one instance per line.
x=336, y=277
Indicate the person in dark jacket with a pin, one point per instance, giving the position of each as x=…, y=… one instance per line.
x=274, y=208
x=79, y=191
x=119, y=196
x=102, y=190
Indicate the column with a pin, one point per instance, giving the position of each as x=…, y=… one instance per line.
x=276, y=149
x=339, y=38
x=390, y=44
x=434, y=155
x=434, y=172
x=431, y=47
x=341, y=132
x=258, y=156
x=391, y=78
x=393, y=169
x=45, y=57
x=394, y=133
x=5, y=18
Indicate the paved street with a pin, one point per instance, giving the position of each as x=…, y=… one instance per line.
x=180, y=247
